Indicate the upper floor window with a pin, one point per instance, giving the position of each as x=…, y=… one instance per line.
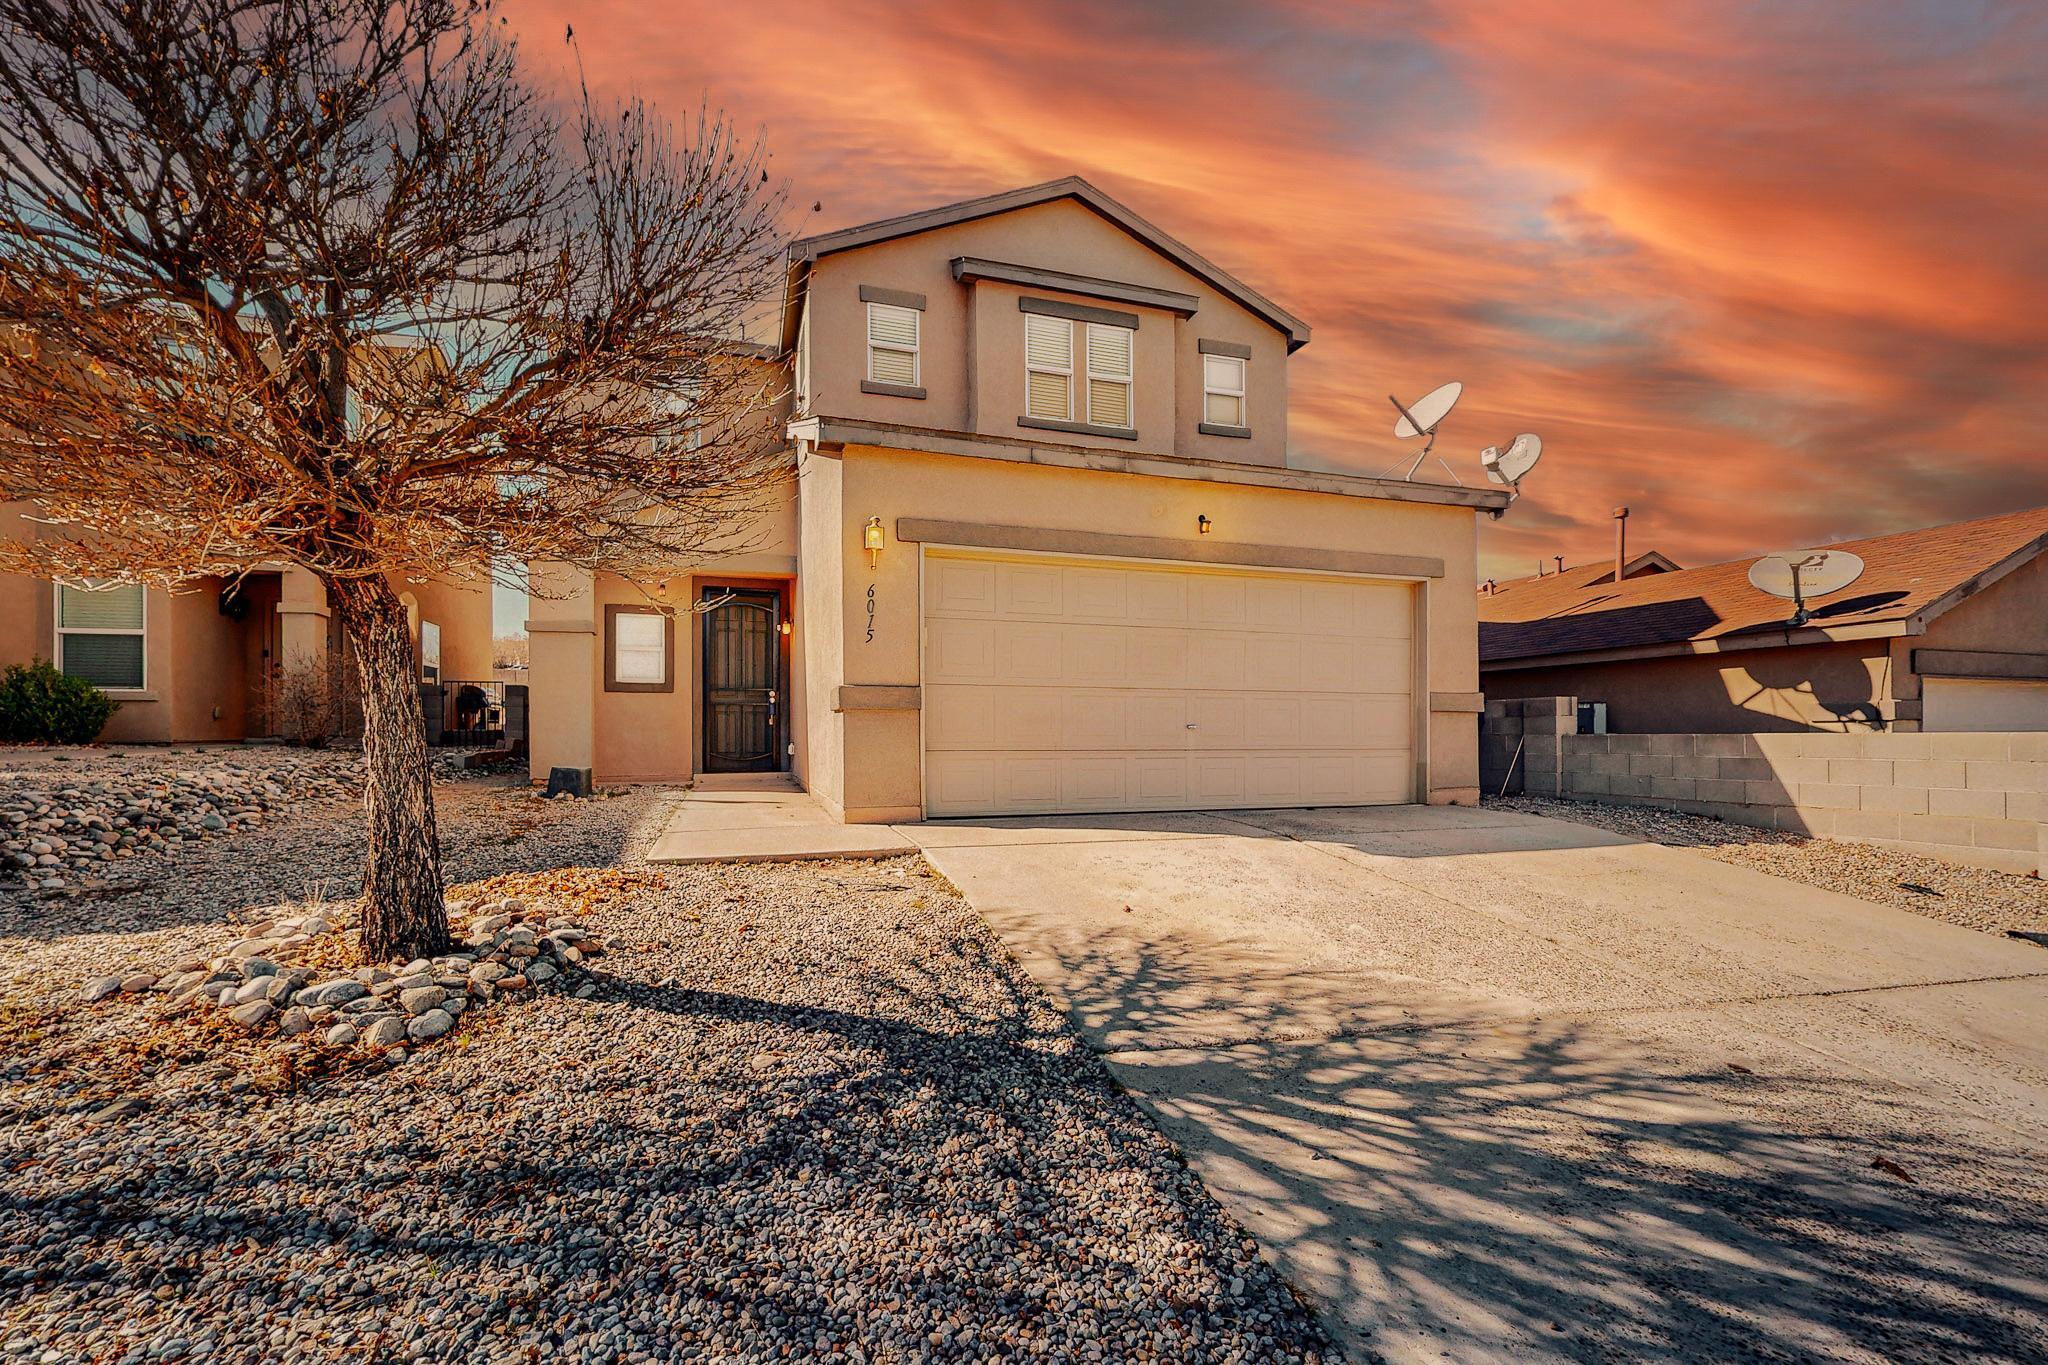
x=100, y=633
x=1048, y=368
x=1109, y=375
x=1223, y=391
x=892, y=345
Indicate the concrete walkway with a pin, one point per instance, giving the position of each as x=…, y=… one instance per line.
x=1493, y=1087
x=766, y=818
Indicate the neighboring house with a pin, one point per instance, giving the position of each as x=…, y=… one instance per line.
x=1041, y=551
x=1947, y=629
x=213, y=662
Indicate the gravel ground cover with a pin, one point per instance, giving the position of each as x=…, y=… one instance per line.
x=1974, y=897
x=801, y=1111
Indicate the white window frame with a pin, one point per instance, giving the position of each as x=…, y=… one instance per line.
x=1129, y=378
x=1241, y=393
x=915, y=350
x=60, y=630
x=1031, y=369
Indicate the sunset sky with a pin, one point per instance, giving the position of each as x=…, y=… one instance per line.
x=1769, y=274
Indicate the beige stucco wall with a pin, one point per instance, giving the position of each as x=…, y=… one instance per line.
x=651, y=736
x=880, y=749
x=972, y=335
x=463, y=611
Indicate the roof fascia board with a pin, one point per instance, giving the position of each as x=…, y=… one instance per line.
x=830, y=434
x=967, y=269
x=809, y=249
x=1976, y=583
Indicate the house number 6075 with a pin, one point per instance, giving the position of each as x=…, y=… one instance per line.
x=871, y=615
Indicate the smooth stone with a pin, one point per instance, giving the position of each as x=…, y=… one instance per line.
x=294, y=1022
x=341, y=1035
x=100, y=990
x=432, y=1024
x=386, y=1032
x=253, y=1015
x=422, y=999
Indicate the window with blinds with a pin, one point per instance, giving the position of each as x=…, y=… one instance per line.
x=100, y=634
x=1048, y=368
x=1109, y=375
x=1223, y=391
x=640, y=648
x=892, y=345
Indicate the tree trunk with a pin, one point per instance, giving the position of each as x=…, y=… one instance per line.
x=403, y=916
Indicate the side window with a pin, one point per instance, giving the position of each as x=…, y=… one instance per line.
x=892, y=345
x=100, y=633
x=639, y=649
x=1223, y=391
x=1048, y=368
x=1109, y=375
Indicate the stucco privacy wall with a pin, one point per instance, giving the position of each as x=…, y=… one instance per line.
x=879, y=732
x=1969, y=798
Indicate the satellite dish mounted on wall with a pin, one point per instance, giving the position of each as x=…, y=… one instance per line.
x=1420, y=418
x=1803, y=574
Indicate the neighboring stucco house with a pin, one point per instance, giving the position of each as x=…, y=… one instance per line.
x=1946, y=630
x=1040, y=551
x=207, y=664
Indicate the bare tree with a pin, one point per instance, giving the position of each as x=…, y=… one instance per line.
x=334, y=283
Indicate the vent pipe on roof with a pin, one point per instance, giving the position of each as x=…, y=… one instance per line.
x=1620, y=543
x=1560, y=562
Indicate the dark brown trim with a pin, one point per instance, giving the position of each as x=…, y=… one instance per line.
x=1214, y=429
x=891, y=390
x=1980, y=663
x=1107, y=545
x=1053, y=308
x=968, y=269
x=1078, y=428
x=899, y=298
x=612, y=612
x=1236, y=350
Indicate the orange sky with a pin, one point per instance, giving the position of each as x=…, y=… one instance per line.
x=1767, y=273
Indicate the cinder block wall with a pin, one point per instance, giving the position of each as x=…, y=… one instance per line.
x=1970, y=798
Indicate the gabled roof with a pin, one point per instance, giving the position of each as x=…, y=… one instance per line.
x=1908, y=579
x=1566, y=583
x=1073, y=187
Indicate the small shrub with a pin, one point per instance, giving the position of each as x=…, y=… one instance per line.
x=313, y=703
x=39, y=705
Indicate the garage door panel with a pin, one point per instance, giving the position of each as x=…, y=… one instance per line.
x=1027, y=651
x=1028, y=590
x=960, y=651
x=1055, y=686
x=962, y=587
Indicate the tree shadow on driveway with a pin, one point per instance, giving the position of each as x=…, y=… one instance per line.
x=1513, y=1186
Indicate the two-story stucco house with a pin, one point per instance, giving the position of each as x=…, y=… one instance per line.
x=1040, y=551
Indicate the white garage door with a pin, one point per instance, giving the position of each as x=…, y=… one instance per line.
x=1101, y=685
x=1952, y=704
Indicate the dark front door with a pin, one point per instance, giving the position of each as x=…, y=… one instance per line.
x=742, y=707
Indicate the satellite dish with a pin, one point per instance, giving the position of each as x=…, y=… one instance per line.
x=1420, y=418
x=1803, y=574
x=1512, y=465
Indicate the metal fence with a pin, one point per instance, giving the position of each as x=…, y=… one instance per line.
x=475, y=714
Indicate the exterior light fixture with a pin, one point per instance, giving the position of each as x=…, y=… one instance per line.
x=1202, y=524
x=785, y=627
x=871, y=537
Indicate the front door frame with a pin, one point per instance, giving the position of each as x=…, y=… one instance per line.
x=710, y=589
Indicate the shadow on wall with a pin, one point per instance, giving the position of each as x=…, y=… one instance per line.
x=1777, y=689
x=1519, y=1181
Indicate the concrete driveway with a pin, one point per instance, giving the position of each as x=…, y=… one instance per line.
x=1494, y=1087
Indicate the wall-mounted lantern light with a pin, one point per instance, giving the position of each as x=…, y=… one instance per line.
x=871, y=537
x=785, y=628
x=1202, y=525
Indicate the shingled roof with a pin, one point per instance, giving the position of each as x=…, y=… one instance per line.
x=1908, y=579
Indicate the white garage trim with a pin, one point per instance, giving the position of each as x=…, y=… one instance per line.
x=1314, y=682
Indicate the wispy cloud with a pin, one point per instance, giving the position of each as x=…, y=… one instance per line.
x=1767, y=273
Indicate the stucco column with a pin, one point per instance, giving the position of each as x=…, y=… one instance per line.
x=561, y=678
x=302, y=620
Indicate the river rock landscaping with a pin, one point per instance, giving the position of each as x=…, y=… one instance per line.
x=795, y=1112
x=67, y=819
